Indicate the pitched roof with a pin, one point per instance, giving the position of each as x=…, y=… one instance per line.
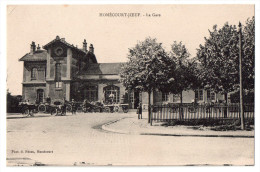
x=62, y=40
x=101, y=69
x=84, y=53
x=39, y=55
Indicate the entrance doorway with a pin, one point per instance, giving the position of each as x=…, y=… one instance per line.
x=135, y=98
x=40, y=95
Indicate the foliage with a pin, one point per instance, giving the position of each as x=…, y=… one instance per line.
x=248, y=50
x=248, y=97
x=148, y=67
x=219, y=58
x=12, y=102
x=184, y=72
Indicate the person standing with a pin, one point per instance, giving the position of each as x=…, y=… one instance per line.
x=64, y=106
x=73, y=104
x=139, y=111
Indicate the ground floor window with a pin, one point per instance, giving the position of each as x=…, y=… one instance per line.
x=91, y=93
x=165, y=97
x=58, y=84
x=210, y=95
x=112, y=94
x=176, y=97
x=199, y=94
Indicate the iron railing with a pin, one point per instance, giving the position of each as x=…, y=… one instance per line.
x=193, y=112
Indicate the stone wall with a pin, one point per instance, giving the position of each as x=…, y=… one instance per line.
x=40, y=73
x=30, y=92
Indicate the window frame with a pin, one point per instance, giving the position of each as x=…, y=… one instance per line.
x=114, y=90
x=199, y=94
x=211, y=95
x=165, y=97
x=91, y=93
x=58, y=72
x=58, y=84
x=34, y=71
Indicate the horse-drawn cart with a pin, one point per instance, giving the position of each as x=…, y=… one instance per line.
x=28, y=109
x=54, y=108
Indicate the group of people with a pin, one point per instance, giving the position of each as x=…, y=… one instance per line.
x=64, y=104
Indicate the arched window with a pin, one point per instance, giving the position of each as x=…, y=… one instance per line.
x=112, y=94
x=33, y=73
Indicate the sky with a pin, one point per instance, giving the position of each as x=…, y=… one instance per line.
x=111, y=36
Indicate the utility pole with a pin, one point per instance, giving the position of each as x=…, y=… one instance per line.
x=241, y=79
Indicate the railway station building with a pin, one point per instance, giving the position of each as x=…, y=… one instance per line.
x=63, y=71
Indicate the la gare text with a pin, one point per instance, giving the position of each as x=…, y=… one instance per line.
x=128, y=15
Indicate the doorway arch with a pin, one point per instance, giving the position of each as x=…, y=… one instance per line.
x=40, y=95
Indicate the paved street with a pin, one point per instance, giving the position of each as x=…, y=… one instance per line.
x=79, y=140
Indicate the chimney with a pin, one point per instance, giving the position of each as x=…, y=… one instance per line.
x=38, y=48
x=91, y=48
x=85, y=45
x=33, y=46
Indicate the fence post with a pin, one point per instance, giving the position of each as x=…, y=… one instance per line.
x=151, y=117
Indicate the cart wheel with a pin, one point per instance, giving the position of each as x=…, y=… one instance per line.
x=68, y=108
x=125, y=109
x=97, y=110
x=107, y=109
x=31, y=113
x=53, y=111
x=35, y=110
x=26, y=113
x=116, y=109
x=79, y=109
x=87, y=110
x=42, y=108
x=58, y=112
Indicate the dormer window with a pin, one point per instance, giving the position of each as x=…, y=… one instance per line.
x=33, y=73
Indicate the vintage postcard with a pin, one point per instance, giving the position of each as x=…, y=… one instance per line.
x=130, y=85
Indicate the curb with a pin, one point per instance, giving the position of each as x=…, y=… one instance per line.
x=106, y=128
x=198, y=135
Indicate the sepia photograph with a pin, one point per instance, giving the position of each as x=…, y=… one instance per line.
x=130, y=85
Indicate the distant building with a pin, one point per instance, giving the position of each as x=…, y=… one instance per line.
x=61, y=70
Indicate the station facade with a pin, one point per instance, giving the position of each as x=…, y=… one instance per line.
x=63, y=71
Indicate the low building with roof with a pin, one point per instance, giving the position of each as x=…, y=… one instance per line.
x=63, y=71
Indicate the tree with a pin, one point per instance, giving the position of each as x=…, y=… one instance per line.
x=147, y=69
x=218, y=59
x=248, y=51
x=184, y=71
x=12, y=102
